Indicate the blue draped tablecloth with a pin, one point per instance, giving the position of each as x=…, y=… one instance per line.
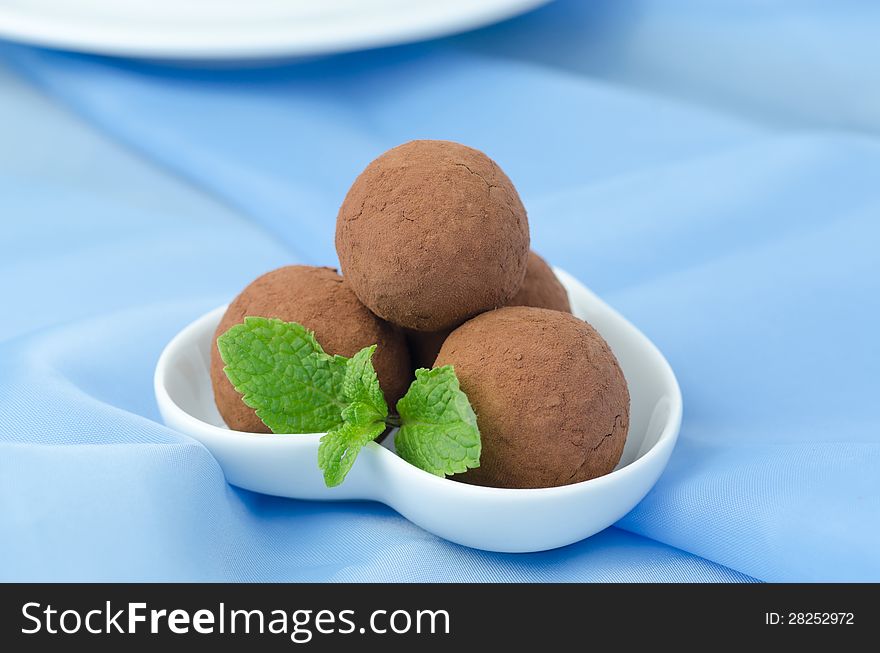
x=710, y=169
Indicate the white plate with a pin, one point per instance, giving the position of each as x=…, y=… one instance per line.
x=242, y=29
x=485, y=518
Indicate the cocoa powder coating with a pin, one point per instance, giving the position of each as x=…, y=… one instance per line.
x=432, y=233
x=551, y=401
x=540, y=289
x=320, y=300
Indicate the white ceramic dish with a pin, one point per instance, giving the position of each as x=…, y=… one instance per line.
x=485, y=518
x=237, y=29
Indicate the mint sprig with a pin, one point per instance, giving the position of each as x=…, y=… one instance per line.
x=363, y=418
x=282, y=372
x=438, y=431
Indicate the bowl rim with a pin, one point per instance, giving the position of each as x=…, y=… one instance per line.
x=665, y=441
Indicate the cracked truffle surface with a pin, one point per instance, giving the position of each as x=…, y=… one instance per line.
x=540, y=289
x=320, y=300
x=432, y=233
x=551, y=400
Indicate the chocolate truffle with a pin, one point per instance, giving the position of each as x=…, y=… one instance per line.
x=540, y=289
x=320, y=300
x=551, y=401
x=432, y=233
x=424, y=346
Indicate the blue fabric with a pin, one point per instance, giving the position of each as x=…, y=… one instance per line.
x=710, y=169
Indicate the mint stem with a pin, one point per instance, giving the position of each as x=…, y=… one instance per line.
x=393, y=421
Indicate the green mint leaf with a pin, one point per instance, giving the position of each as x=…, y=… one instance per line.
x=361, y=385
x=283, y=373
x=340, y=447
x=363, y=418
x=438, y=431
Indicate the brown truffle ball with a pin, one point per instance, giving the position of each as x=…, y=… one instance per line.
x=540, y=289
x=551, y=401
x=424, y=346
x=320, y=300
x=432, y=233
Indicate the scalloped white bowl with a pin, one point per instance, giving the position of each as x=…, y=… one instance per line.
x=494, y=519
